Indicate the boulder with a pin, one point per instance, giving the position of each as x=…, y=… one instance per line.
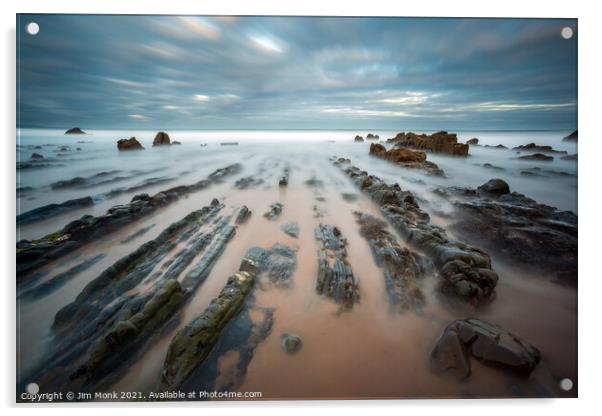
x=486, y=342
x=358, y=139
x=290, y=343
x=571, y=137
x=161, y=139
x=75, y=130
x=495, y=186
x=129, y=144
x=474, y=141
x=36, y=156
x=291, y=228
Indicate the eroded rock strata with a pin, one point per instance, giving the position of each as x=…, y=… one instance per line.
x=335, y=275
x=486, y=342
x=464, y=270
x=32, y=254
x=407, y=158
x=533, y=234
x=440, y=142
x=402, y=268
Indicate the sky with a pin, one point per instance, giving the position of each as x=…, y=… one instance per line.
x=210, y=72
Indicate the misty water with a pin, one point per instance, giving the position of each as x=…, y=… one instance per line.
x=368, y=352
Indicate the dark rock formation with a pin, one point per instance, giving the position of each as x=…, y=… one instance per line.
x=440, y=142
x=290, y=343
x=36, y=156
x=358, y=139
x=490, y=166
x=176, y=142
x=243, y=215
x=464, y=270
x=407, y=158
x=495, y=186
x=36, y=253
x=474, y=141
x=539, y=157
x=335, y=276
x=534, y=235
x=570, y=157
x=402, y=268
x=50, y=210
x=228, y=144
x=499, y=146
x=571, y=137
x=485, y=342
x=161, y=139
x=75, y=130
x=371, y=136
x=274, y=212
x=248, y=182
x=129, y=144
x=277, y=263
x=284, y=178
x=291, y=228
x=532, y=147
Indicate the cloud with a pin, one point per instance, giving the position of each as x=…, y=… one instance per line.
x=139, y=117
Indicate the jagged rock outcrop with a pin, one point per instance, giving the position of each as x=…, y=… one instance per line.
x=129, y=144
x=537, y=236
x=532, y=147
x=571, y=137
x=402, y=268
x=440, y=142
x=406, y=157
x=32, y=254
x=75, y=130
x=484, y=341
x=161, y=139
x=335, y=276
x=464, y=270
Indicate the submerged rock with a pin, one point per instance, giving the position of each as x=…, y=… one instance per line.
x=36, y=156
x=495, y=186
x=440, y=142
x=490, y=166
x=274, y=212
x=570, y=157
x=537, y=148
x=50, y=210
x=540, y=157
x=358, y=139
x=485, y=342
x=228, y=144
x=175, y=142
x=290, y=343
x=474, y=141
x=291, y=228
x=406, y=158
x=161, y=139
x=571, y=137
x=243, y=215
x=499, y=146
x=75, y=130
x=278, y=263
x=129, y=144
x=284, y=178
x=335, y=276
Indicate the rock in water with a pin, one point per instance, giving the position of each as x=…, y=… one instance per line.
x=571, y=137
x=274, y=212
x=243, y=215
x=129, y=144
x=540, y=157
x=440, y=142
x=407, y=158
x=537, y=148
x=193, y=343
x=290, y=343
x=474, y=141
x=358, y=139
x=495, y=186
x=484, y=341
x=75, y=130
x=278, y=263
x=291, y=228
x=176, y=142
x=161, y=139
x=371, y=136
x=36, y=156
x=284, y=178
x=335, y=276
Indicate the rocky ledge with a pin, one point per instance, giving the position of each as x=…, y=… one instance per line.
x=335, y=276
x=407, y=158
x=464, y=270
x=532, y=234
x=485, y=342
x=440, y=142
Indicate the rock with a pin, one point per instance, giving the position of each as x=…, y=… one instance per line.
x=176, y=142
x=335, y=277
x=129, y=144
x=371, y=136
x=571, y=137
x=70, y=183
x=291, y=228
x=277, y=263
x=243, y=215
x=161, y=139
x=406, y=157
x=36, y=156
x=358, y=139
x=274, y=212
x=499, y=146
x=474, y=141
x=51, y=210
x=537, y=148
x=349, y=197
x=75, y=130
x=290, y=343
x=440, y=142
x=570, y=157
x=490, y=166
x=284, y=178
x=464, y=270
x=248, y=182
x=540, y=157
x=495, y=186
x=484, y=341
x=228, y=144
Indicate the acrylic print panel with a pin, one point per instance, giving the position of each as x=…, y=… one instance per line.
x=252, y=208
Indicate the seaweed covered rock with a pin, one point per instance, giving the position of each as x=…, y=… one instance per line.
x=129, y=144
x=193, y=343
x=161, y=139
x=439, y=142
x=406, y=157
x=402, y=268
x=335, y=275
x=484, y=341
x=465, y=270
